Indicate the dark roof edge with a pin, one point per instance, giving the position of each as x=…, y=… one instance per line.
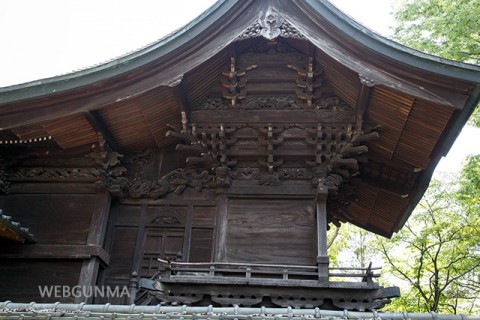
x=422, y=61
x=15, y=227
x=394, y=50
x=125, y=63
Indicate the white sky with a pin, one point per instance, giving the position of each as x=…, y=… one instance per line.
x=41, y=39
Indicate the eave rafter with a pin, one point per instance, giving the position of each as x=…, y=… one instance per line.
x=180, y=97
x=362, y=101
x=99, y=125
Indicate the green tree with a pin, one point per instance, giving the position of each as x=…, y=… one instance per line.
x=351, y=246
x=450, y=29
x=437, y=255
x=445, y=28
x=469, y=193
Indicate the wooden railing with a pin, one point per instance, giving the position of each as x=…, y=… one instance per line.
x=268, y=271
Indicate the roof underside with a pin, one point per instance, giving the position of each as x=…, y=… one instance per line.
x=418, y=103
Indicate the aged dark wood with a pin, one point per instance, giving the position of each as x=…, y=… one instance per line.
x=96, y=236
x=321, y=219
x=207, y=167
x=56, y=251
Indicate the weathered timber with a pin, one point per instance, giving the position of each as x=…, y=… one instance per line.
x=56, y=251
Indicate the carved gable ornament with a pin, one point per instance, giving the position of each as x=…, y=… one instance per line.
x=271, y=25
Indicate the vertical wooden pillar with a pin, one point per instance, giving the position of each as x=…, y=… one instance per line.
x=96, y=236
x=139, y=243
x=322, y=254
x=187, y=234
x=221, y=228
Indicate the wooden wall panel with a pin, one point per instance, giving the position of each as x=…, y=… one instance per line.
x=64, y=218
x=53, y=218
x=271, y=231
x=202, y=234
x=122, y=252
x=201, y=245
x=19, y=279
x=165, y=243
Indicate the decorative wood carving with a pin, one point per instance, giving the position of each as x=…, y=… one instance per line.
x=272, y=103
x=287, y=129
x=174, y=182
x=56, y=173
x=270, y=23
x=4, y=183
x=234, y=82
x=165, y=220
x=284, y=30
x=309, y=82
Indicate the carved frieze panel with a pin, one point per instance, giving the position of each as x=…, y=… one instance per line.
x=56, y=173
x=165, y=220
x=4, y=183
x=174, y=182
x=280, y=116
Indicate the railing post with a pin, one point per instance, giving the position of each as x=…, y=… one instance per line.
x=369, y=275
x=248, y=272
x=133, y=288
x=212, y=271
x=322, y=254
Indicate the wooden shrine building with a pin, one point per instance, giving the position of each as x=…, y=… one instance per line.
x=209, y=164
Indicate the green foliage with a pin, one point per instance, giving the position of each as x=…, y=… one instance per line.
x=437, y=254
x=445, y=28
x=353, y=246
x=469, y=193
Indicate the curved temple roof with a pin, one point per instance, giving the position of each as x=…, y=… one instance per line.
x=419, y=102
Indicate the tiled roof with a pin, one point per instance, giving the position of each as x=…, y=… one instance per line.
x=10, y=229
x=10, y=310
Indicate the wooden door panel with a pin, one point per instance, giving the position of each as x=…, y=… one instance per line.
x=271, y=231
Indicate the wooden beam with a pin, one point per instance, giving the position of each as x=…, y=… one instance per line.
x=181, y=98
x=56, y=251
x=383, y=186
x=187, y=235
x=392, y=162
x=362, y=101
x=96, y=236
x=137, y=258
x=322, y=253
x=220, y=248
x=99, y=125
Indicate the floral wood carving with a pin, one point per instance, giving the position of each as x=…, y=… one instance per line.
x=272, y=103
x=174, y=182
x=165, y=220
x=4, y=183
x=56, y=173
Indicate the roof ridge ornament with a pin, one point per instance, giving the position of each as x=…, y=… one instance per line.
x=270, y=25
x=270, y=22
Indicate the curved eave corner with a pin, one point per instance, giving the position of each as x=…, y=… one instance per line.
x=181, y=38
x=449, y=139
x=429, y=64
x=121, y=65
